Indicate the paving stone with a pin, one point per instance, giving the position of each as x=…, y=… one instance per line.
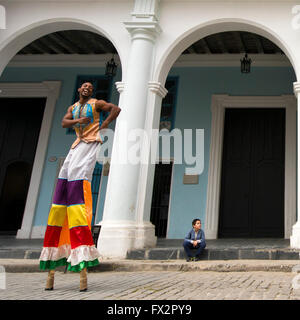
x=12, y=254
x=162, y=254
x=254, y=254
x=287, y=255
x=32, y=254
x=154, y=285
x=181, y=254
x=296, y=292
x=136, y=254
x=223, y=254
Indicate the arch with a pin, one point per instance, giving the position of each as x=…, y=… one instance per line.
x=24, y=36
x=215, y=26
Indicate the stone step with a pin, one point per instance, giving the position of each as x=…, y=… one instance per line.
x=178, y=253
x=216, y=254
x=20, y=253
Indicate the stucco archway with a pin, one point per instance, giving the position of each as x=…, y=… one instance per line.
x=166, y=62
x=49, y=89
x=215, y=26
x=22, y=37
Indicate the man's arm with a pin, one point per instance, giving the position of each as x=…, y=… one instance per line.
x=68, y=121
x=113, y=110
x=202, y=236
x=189, y=237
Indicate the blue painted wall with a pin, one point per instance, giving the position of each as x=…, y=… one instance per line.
x=195, y=87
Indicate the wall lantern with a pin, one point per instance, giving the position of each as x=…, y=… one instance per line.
x=245, y=64
x=111, y=68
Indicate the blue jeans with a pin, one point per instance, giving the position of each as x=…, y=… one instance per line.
x=188, y=246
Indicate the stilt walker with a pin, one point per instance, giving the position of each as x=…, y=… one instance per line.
x=68, y=238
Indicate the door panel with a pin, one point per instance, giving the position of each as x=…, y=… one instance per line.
x=20, y=124
x=160, y=198
x=268, y=164
x=252, y=182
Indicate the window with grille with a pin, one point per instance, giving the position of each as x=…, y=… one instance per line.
x=168, y=106
x=163, y=172
x=95, y=188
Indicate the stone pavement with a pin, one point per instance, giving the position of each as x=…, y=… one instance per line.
x=233, y=270
x=32, y=265
x=153, y=285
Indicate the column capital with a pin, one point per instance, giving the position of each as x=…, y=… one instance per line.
x=296, y=88
x=147, y=30
x=157, y=88
x=144, y=24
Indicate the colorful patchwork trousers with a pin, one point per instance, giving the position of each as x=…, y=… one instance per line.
x=68, y=238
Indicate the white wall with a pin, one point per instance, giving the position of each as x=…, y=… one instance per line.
x=30, y=20
x=182, y=23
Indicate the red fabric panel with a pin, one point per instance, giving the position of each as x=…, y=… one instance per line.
x=52, y=236
x=81, y=236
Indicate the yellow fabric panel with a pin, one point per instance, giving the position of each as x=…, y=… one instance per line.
x=77, y=216
x=57, y=215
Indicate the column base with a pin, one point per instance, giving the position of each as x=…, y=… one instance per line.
x=295, y=237
x=118, y=237
x=211, y=234
x=23, y=234
x=38, y=232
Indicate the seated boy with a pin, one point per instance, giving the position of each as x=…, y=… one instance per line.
x=195, y=239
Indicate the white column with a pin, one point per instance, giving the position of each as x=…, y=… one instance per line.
x=295, y=237
x=145, y=236
x=120, y=226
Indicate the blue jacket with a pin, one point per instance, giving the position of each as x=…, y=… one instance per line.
x=191, y=236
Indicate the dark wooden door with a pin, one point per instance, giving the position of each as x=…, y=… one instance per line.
x=160, y=198
x=252, y=183
x=20, y=124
